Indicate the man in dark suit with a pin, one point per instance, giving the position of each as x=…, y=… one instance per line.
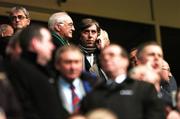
x=9, y=105
x=33, y=89
x=68, y=62
x=128, y=98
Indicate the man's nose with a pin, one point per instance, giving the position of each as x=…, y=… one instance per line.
x=73, y=28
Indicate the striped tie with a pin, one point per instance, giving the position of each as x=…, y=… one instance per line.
x=75, y=100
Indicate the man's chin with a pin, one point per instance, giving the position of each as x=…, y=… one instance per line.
x=19, y=27
x=91, y=46
x=72, y=77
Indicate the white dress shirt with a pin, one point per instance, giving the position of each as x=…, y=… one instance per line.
x=66, y=94
x=90, y=58
x=119, y=79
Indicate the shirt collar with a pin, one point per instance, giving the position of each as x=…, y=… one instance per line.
x=119, y=79
x=66, y=83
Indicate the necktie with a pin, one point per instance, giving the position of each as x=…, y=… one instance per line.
x=75, y=100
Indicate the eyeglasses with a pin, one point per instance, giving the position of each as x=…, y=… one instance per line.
x=20, y=17
x=68, y=24
x=166, y=69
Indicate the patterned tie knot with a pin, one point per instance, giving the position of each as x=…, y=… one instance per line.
x=75, y=100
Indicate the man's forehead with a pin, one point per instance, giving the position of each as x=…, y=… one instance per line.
x=71, y=55
x=71, y=52
x=165, y=64
x=93, y=26
x=153, y=48
x=18, y=12
x=64, y=18
x=112, y=49
x=67, y=18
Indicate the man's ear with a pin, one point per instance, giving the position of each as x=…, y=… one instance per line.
x=28, y=22
x=33, y=44
x=56, y=27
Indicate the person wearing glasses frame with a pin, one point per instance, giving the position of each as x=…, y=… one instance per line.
x=61, y=26
x=168, y=83
x=19, y=17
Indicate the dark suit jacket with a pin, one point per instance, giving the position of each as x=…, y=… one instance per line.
x=37, y=96
x=167, y=88
x=8, y=100
x=3, y=44
x=58, y=41
x=129, y=100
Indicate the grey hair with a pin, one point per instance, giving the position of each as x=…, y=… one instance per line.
x=19, y=8
x=56, y=18
x=4, y=27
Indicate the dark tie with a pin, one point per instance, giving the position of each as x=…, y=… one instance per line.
x=75, y=100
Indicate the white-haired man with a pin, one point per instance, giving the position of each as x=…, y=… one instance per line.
x=61, y=26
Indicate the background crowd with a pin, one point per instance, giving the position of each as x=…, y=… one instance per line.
x=45, y=75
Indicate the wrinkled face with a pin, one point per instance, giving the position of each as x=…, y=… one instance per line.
x=112, y=61
x=66, y=28
x=89, y=36
x=19, y=20
x=45, y=47
x=152, y=55
x=70, y=64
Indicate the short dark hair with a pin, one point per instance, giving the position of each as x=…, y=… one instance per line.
x=87, y=22
x=27, y=34
x=141, y=47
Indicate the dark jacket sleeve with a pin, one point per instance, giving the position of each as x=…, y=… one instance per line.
x=8, y=100
x=153, y=105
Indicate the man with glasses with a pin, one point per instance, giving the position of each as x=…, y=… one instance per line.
x=168, y=83
x=19, y=17
x=62, y=28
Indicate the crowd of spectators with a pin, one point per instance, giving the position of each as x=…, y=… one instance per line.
x=43, y=75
